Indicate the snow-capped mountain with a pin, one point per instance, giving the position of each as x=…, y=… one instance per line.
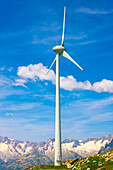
x=10, y=148
x=83, y=148
x=87, y=147
x=107, y=147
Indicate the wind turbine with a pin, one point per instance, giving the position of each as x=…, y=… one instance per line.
x=59, y=49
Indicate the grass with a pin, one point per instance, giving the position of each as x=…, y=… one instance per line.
x=103, y=161
x=47, y=167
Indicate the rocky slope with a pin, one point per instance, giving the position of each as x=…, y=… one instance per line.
x=96, y=162
x=25, y=161
x=31, y=159
x=10, y=149
x=107, y=147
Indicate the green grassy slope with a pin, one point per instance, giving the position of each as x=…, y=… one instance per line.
x=47, y=167
x=103, y=161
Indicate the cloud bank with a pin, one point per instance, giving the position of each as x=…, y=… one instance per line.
x=92, y=11
x=38, y=72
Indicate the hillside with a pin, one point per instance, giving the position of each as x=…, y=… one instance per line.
x=21, y=154
x=26, y=161
x=100, y=162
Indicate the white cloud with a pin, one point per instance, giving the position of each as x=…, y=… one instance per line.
x=2, y=68
x=46, y=83
x=72, y=37
x=46, y=96
x=88, y=42
x=70, y=83
x=103, y=86
x=5, y=68
x=20, y=82
x=103, y=117
x=45, y=40
x=8, y=91
x=38, y=72
x=56, y=38
x=9, y=114
x=92, y=11
x=6, y=88
x=101, y=103
x=10, y=107
x=10, y=69
x=4, y=81
x=53, y=27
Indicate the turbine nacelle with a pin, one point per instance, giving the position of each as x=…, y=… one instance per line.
x=59, y=49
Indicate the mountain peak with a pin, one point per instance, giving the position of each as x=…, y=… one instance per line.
x=50, y=140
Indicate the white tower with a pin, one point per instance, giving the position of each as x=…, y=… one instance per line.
x=59, y=49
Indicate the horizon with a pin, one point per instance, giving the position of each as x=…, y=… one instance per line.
x=28, y=33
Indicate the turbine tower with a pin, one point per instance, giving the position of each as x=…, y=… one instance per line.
x=59, y=49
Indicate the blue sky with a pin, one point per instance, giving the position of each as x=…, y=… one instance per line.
x=28, y=32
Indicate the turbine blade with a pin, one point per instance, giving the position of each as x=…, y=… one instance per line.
x=66, y=55
x=63, y=27
x=51, y=65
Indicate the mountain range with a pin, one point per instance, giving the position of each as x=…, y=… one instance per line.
x=14, y=153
